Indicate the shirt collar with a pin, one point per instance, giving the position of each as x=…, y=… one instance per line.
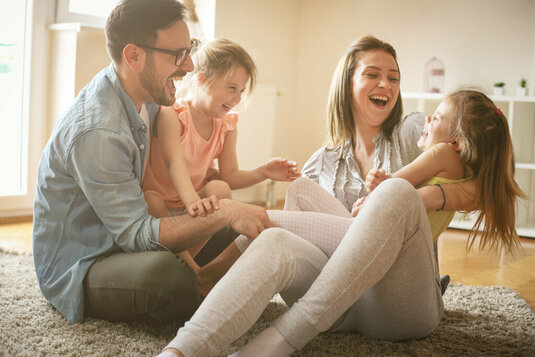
x=378, y=137
x=134, y=119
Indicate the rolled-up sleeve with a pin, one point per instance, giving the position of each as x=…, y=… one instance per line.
x=102, y=161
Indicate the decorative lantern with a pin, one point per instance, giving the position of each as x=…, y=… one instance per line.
x=434, y=76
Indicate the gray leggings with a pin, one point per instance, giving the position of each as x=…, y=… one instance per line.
x=382, y=281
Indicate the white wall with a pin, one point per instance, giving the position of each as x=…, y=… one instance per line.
x=205, y=10
x=268, y=30
x=297, y=44
x=480, y=42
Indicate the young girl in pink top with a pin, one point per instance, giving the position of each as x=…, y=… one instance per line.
x=187, y=137
x=181, y=175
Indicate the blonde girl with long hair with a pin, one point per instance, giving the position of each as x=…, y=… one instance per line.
x=467, y=137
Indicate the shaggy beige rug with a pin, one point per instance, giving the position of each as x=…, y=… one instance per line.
x=478, y=321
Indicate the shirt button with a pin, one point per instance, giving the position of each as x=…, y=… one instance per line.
x=142, y=146
x=143, y=127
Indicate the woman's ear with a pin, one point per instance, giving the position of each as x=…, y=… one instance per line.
x=134, y=57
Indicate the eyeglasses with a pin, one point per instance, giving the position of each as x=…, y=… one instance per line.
x=180, y=55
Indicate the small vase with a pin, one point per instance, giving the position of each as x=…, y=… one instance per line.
x=498, y=90
x=434, y=76
x=521, y=91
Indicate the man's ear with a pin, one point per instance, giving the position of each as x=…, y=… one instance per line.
x=134, y=57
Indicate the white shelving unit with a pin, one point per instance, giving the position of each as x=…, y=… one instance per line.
x=520, y=113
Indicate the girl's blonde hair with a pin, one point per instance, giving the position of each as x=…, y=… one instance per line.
x=216, y=59
x=340, y=103
x=486, y=148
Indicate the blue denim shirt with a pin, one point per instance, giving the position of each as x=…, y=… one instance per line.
x=89, y=201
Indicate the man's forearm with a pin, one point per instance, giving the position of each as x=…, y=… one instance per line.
x=179, y=233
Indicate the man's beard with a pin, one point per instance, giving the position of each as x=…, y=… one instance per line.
x=147, y=78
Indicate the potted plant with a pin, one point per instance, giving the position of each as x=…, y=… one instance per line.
x=522, y=90
x=498, y=88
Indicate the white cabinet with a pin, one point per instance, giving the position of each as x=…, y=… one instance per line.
x=520, y=113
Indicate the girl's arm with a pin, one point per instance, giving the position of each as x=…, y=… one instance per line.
x=442, y=160
x=276, y=169
x=169, y=131
x=459, y=196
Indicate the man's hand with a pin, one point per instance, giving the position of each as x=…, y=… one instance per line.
x=246, y=219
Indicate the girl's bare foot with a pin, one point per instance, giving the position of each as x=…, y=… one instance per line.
x=205, y=282
x=170, y=352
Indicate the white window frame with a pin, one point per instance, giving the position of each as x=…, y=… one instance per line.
x=63, y=15
x=39, y=14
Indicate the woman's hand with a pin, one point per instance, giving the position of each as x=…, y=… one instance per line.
x=374, y=178
x=281, y=170
x=203, y=206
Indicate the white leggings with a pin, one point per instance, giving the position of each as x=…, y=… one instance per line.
x=382, y=281
x=311, y=213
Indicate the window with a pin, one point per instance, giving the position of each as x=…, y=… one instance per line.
x=93, y=13
x=23, y=61
x=13, y=116
x=100, y=8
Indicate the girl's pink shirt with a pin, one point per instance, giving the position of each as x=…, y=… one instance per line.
x=199, y=154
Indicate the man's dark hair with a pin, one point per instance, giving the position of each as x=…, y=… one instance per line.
x=136, y=21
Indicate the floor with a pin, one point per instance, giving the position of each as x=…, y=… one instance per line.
x=468, y=268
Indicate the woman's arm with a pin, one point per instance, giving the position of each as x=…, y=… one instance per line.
x=276, y=169
x=169, y=131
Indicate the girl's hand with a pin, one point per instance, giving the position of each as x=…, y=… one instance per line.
x=374, y=178
x=203, y=206
x=357, y=205
x=281, y=170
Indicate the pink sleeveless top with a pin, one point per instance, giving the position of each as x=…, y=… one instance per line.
x=200, y=154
